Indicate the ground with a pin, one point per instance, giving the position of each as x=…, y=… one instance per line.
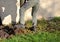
x=47, y=31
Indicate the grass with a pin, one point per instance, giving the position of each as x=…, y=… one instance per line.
x=41, y=35
x=37, y=37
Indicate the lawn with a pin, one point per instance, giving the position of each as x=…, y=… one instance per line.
x=36, y=37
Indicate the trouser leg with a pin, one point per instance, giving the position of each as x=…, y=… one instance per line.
x=34, y=14
x=26, y=6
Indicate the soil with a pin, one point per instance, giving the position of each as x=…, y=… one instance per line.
x=9, y=31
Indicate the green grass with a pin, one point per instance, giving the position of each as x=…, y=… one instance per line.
x=37, y=37
x=41, y=35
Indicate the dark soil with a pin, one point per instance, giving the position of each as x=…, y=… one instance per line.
x=9, y=31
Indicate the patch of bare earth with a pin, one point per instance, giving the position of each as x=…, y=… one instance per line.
x=9, y=31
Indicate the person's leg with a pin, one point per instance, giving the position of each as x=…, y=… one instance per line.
x=34, y=16
x=26, y=6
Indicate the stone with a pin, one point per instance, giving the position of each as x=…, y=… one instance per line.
x=8, y=10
